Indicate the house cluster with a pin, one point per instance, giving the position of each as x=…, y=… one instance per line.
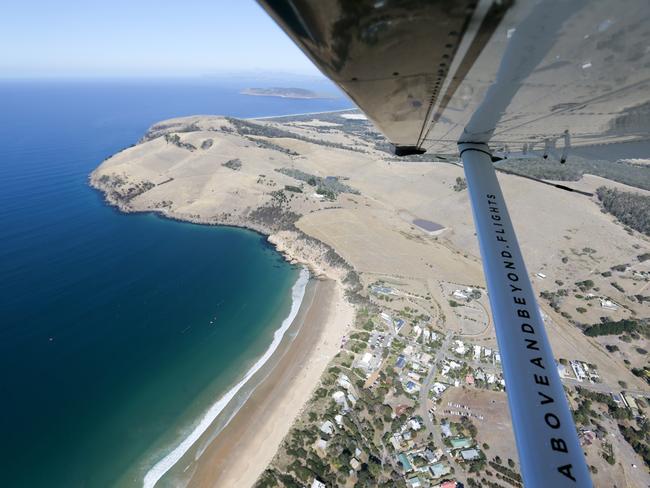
x=421, y=465
x=477, y=352
x=583, y=371
x=461, y=448
x=456, y=373
x=424, y=335
x=413, y=366
x=393, y=324
x=346, y=399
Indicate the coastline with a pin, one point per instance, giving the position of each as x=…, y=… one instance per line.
x=246, y=446
x=268, y=117
x=220, y=412
x=239, y=442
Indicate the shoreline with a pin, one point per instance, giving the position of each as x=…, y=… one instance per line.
x=222, y=455
x=224, y=403
x=266, y=117
x=240, y=453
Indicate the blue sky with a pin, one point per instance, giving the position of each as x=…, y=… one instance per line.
x=75, y=38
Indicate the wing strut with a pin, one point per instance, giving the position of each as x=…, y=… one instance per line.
x=549, y=451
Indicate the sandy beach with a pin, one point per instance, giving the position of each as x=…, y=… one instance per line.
x=241, y=452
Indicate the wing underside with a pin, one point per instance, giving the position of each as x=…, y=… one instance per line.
x=419, y=69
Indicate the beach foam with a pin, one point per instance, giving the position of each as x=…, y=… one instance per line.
x=166, y=463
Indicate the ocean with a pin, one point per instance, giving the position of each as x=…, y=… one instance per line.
x=119, y=333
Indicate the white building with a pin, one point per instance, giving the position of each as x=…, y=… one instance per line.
x=578, y=370
x=426, y=335
x=364, y=363
x=344, y=382
x=322, y=445
x=454, y=365
x=327, y=427
x=339, y=398
x=608, y=304
x=386, y=318
x=461, y=295
x=417, y=330
x=438, y=388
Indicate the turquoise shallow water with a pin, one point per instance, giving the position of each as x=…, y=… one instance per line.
x=107, y=349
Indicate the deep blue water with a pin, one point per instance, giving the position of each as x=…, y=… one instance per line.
x=106, y=346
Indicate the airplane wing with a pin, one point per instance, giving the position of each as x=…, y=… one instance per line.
x=419, y=69
x=474, y=77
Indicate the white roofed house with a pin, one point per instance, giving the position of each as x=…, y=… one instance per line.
x=339, y=398
x=364, y=362
x=460, y=294
x=344, y=382
x=608, y=304
x=318, y=484
x=321, y=444
x=417, y=331
x=470, y=454
x=327, y=427
x=454, y=365
x=438, y=388
x=578, y=370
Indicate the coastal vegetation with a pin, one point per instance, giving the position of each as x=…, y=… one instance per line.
x=122, y=190
x=617, y=327
x=256, y=130
x=575, y=167
x=234, y=164
x=175, y=139
x=460, y=184
x=630, y=209
x=330, y=186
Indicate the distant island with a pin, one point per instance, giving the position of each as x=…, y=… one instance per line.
x=283, y=93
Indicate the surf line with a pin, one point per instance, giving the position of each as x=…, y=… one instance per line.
x=158, y=470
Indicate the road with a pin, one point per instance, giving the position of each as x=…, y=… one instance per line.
x=424, y=400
